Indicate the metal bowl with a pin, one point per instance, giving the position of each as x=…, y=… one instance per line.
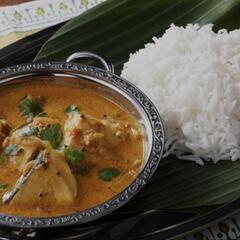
x=105, y=83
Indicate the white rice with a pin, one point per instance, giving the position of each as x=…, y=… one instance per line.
x=193, y=76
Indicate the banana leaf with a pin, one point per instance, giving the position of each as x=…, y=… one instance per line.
x=117, y=28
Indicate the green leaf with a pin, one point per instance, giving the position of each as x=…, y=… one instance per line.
x=73, y=154
x=181, y=184
x=3, y=186
x=72, y=109
x=30, y=107
x=121, y=27
x=52, y=134
x=12, y=150
x=108, y=174
x=26, y=131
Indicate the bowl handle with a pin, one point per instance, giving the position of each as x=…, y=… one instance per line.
x=104, y=61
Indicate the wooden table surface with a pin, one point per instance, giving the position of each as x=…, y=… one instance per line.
x=11, y=2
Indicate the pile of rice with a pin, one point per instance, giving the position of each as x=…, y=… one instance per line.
x=193, y=76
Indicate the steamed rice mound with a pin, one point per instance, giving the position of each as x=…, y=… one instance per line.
x=192, y=74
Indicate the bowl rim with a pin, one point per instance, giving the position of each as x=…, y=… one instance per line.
x=139, y=182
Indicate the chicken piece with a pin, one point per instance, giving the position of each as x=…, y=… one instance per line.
x=4, y=130
x=82, y=131
x=50, y=183
x=118, y=131
x=98, y=138
x=29, y=146
x=28, y=149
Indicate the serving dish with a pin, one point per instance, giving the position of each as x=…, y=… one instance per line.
x=120, y=91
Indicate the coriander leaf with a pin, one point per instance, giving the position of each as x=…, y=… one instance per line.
x=72, y=109
x=2, y=159
x=108, y=173
x=12, y=150
x=3, y=186
x=73, y=154
x=52, y=134
x=26, y=131
x=30, y=107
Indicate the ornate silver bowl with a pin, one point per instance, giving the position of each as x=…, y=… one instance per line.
x=119, y=90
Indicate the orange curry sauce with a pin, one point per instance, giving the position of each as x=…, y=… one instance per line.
x=91, y=190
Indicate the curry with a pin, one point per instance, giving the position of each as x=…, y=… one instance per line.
x=64, y=149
